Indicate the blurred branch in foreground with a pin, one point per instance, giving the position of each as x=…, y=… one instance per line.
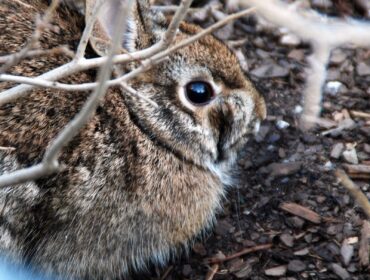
x=324, y=33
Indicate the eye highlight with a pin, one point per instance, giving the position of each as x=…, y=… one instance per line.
x=199, y=93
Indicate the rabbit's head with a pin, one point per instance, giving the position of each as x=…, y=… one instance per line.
x=207, y=106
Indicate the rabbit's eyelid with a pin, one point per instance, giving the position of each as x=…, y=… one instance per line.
x=184, y=100
x=217, y=89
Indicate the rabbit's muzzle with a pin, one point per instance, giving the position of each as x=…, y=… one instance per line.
x=233, y=119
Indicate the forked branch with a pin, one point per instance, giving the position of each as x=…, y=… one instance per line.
x=149, y=58
x=324, y=33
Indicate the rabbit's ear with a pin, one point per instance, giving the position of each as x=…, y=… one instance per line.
x=140, y=31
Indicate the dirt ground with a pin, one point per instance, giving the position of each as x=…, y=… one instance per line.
x=285, y=173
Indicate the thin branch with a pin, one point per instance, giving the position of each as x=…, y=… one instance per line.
x=41, y=24
x=315, y=81
x=241, y=253
x=92, y=103
x=204, y=32
x=7, y=148
x=174, y=24
x=166, y=273
x=172, y=9
x=88, y=29
x=146, y=64
x=313, y=27
x=50, y=163
x=212, y=271
x=85, y=64
x=354, y=191
x=27, y=174
x=33, y=53
x=55, y=74
x=324, y=33
x=47, y=84
x=134, y=92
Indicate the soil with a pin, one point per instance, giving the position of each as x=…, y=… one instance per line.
x=284, y=167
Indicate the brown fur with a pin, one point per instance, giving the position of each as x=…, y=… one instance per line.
x=139, y=182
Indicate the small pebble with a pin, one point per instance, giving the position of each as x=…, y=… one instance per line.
x=340, y=271
x=187, y=270
x=270, y=71
x=337, y=150
x=296, y=266
x=350, y=155
x=363, y=69
x=328, y=165
x=287, y=239
x=298, y=109
x=276, y=271
x=334, y=87
x=367, y=148
x=302, y=252
x=282, y=124
x=346, y=252
x=244, y=271
x=337, y=56
x=320, y=198
x=200, y=249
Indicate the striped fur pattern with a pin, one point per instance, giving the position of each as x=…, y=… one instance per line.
x=139, y=181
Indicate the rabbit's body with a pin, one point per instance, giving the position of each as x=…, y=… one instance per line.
x=139, y=182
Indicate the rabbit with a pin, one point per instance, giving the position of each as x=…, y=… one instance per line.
x=139, y=182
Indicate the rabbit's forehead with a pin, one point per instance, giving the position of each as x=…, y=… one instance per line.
x=183, y=72
x=211, y=54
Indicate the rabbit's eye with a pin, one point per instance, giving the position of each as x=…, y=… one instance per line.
x=199, y=93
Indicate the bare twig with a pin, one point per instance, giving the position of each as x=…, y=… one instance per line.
x=166, y=273
x=50, y=163
x=41, y=24
x=357, y=168
x=33, y=53
x=241, y=253
x=155, y=55
x=173, y=9
x=301, y=211
x=69, y=68
x=76, y=66
x=174, y=24
x=87, y=31
x=358, y=114
x=212, y=272
x=26, y=174
x=324, y=33
x=364, y=250
x=354, y=191
x=315, y=82
x=92, y=103
x=7, y=148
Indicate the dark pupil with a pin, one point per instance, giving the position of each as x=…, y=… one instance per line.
x=199, y=92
